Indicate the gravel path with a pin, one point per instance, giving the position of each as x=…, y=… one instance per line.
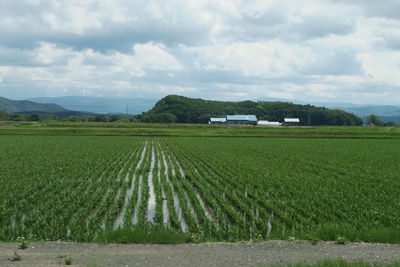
x=206, y=254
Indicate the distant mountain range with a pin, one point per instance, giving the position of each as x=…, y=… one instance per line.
x=99, y=104
x=16, y=106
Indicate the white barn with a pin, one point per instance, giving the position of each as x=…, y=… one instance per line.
x=268, y=123
x=217, y=121
x=292, y=121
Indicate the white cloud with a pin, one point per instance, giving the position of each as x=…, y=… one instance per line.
x=151, y=56
x=311, y=49
x=382, y=66
x=269, y=59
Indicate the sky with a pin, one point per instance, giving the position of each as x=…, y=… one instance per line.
x=309, y=50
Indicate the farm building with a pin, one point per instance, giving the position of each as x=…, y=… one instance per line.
x=217, y=121
x=241, y=119
x=268, y=123
x=291, y=121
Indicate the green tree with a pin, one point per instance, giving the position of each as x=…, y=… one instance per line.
x=374, y=120
x=33, y=117
x=4, y=116
x=114, y=118
x=100, y=118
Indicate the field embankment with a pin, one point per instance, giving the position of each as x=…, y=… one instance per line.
x=193, y=130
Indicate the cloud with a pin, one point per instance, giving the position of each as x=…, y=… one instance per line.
x=268, y=59
x=320, y=50
x=101, y=25
x=371, y=8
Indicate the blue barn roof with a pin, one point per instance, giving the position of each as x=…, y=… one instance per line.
x=241, y=118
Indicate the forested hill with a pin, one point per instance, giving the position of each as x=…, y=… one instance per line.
x=14, y=106
x=181, y=109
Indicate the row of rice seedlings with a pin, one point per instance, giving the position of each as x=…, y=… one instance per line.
x=151, y=206
x=264, y=226
x=161, y=190
x=130, y=178
x=284, y=217
x=104, y=189
x=187, y=214
x=175, y=221
x=209, y=195
x=197, y=206
x=180, y=175
x=91, y=199
x=324, y=210
x=109, y=187
x=130, y=209
x=25, y=215
x=135, y=203
x=142, y=205
x=294, y=215
x=54, y=199
x=58, y=226
x=211, y=178
x=119, y=187
x=303, y=214
x=117, y=209
x=313, y=213
x=158, y=216
x=203, y=211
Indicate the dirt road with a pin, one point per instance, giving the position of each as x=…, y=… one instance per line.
x=208, y=254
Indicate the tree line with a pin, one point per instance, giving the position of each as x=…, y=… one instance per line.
x=374, y=120
x=65, y=117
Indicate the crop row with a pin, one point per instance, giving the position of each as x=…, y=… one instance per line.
x=218, y=189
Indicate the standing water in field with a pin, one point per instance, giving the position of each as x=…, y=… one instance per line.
x=177, y=204
x=182, y=176
x=135, y=214
x=152, y=196
x=164, y=196
x=203, y=206
x=119, y=222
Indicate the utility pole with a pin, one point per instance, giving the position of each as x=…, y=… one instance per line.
x=398, y=118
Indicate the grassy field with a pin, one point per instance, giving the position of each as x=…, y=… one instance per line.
x=88, y=188
x=191, y=130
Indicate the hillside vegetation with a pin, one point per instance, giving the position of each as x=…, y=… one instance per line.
x=15, y=106
x=181, y=109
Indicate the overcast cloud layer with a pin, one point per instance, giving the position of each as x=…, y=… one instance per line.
x=313, y=50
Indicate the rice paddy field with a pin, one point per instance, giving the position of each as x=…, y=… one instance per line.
x=85, y=188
